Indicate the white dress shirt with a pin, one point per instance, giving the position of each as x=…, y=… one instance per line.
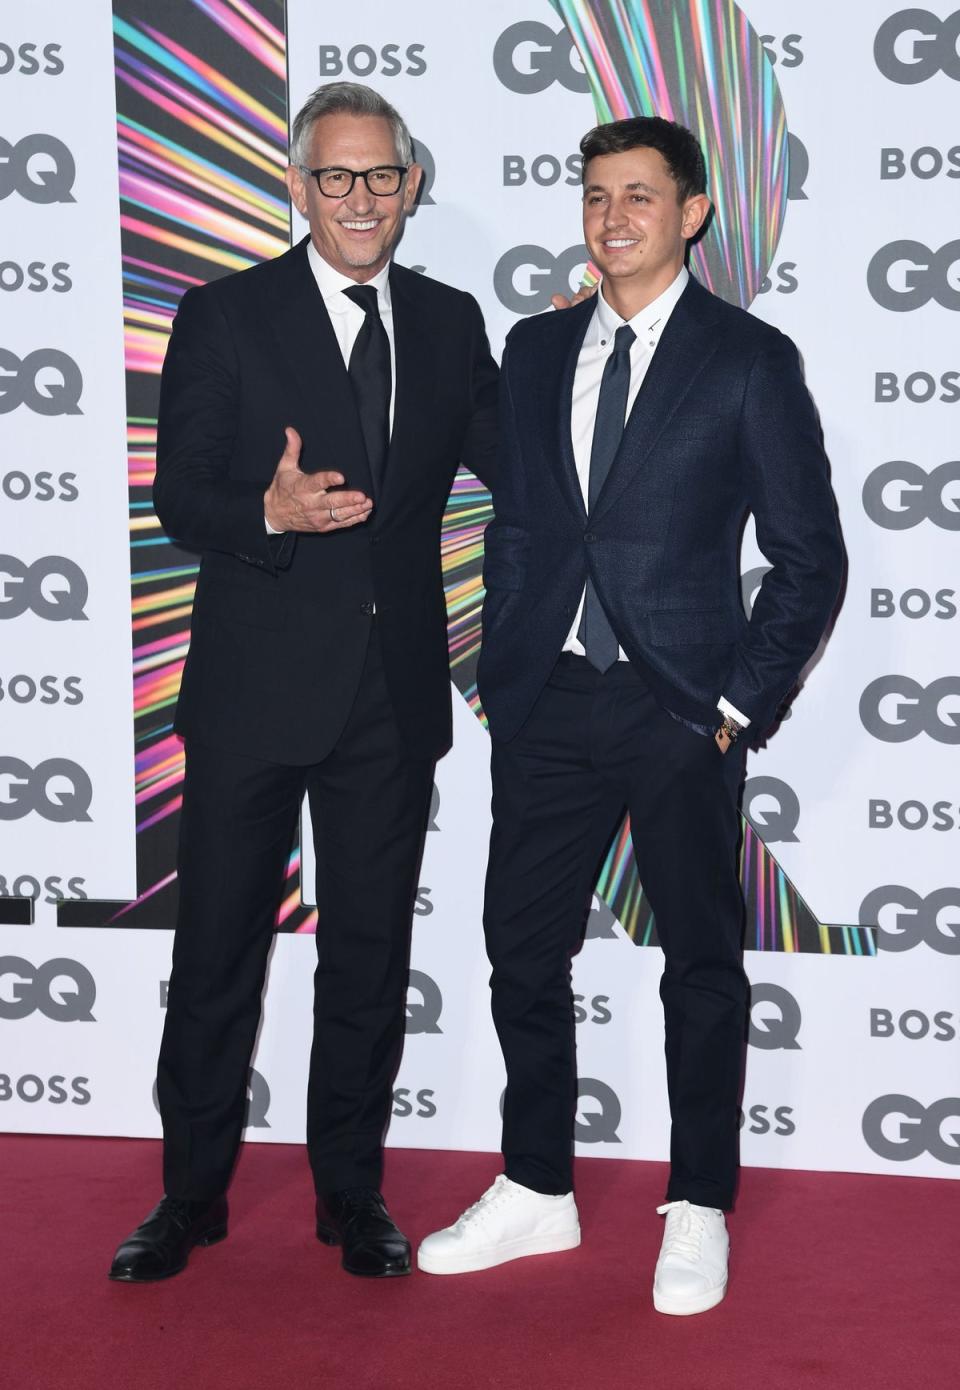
x=346, y=318
x=597, y=347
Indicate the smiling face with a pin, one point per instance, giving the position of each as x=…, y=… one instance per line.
x=355, y=234
x=635, y=228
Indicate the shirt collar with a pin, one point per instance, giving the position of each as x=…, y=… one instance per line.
x=331, y=283
x=651, y=321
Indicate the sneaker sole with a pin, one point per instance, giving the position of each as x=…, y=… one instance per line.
x=685, y=1307
x=488, y=1259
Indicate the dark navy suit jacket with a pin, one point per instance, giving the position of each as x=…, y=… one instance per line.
x=723, y=424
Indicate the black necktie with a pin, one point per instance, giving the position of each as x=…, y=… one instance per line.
x=595, y=632
x=369, y=373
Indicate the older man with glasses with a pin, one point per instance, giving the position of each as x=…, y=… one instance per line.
x=313, y=413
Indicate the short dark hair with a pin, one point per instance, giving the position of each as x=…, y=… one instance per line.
x=679, y=146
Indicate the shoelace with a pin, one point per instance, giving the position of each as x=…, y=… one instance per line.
x=684, y=1233
x=494, y=1196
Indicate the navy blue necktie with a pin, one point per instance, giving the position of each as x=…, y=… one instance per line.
x=595, y=632
x=369, y=373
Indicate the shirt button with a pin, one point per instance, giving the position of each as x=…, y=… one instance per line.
x=367, y=609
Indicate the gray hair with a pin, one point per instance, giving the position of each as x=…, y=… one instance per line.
x=356, y=100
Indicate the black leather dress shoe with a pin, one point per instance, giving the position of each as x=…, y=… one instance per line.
x=357, y=1219
x=160, y=1245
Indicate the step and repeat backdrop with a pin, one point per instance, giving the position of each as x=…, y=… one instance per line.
x=142, y=150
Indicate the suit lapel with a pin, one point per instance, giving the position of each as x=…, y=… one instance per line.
x=575, y=322
x=295, y=315
x=412, y=344
x=681, y=355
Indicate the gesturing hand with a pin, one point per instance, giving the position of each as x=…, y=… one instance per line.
x=298, y=501
x=560, y=301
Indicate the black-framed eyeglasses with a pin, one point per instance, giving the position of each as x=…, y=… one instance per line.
x=382, y=181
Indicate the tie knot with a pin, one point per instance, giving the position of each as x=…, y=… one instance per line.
x=366, y=297
x=623, y=339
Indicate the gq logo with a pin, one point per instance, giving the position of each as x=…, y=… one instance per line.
x=258, y=1101
x=933, y=920
x=913, y=45
x=593, y=1125
x=774, y=1019
x=600, y=920
x=799, y=168
x=896, y=709
x=899, y=1128
x=56, y=789
x=25, y=588
x=899, y=495
x=425, y=159
x=776, y=818
x=62, y=990
x=21, y=383
x=423, y=1016
x=528, y=57
x=922, y=275
x=545, y=274
x=19, y=171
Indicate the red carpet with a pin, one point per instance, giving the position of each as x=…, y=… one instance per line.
x=836, y=1281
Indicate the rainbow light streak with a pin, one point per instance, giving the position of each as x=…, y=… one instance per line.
x=700, y=63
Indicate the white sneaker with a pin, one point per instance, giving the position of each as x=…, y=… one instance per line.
x=508, y=1222
x=691, y=1273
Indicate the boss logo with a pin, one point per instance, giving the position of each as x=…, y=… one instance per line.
x=543, y=169
x=422, y=906
x=922, y=275
x=62, y=990
x=764, y=1119
x=258, y=1101
x=914, y=1025
x=40, y=487
x=912, y=815
x=786, y=51
x=424, y=1004
x=30, y=383
x=896, y=709
x=51, y=889
x=420, y=1105
x=56, y=1090
x=57, y=789
x=918, y=387
x=46, y=690
x=528, y=57
x=36, y=276
x=899, y=1128
x=772, y=808
x=53, y=588
x=25, y=59
x=598, y=1113
x=913, y=603
x=899, y=495
x=933, y=920
x=432, y=823
x=786, y=282
x=925, y=163
x=798, y=168
x=775, y=1019
x=363, y=61
x=593, y=1010
x=25, y=168
x=543, y=275
x=913, y=45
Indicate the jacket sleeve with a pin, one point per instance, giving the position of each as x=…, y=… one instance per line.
x=196, y=499
x=789, y=494
x=479, y=452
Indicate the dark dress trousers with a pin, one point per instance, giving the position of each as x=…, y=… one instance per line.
x=317, y=664
x=722, y=425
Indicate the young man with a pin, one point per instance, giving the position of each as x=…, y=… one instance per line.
x=618, y=670
x=318, y=661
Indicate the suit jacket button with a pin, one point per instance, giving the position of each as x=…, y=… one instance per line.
x=367, y=609
x=589, y=537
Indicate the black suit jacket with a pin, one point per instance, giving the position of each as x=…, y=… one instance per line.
x=280, y=625
x=723, y=424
